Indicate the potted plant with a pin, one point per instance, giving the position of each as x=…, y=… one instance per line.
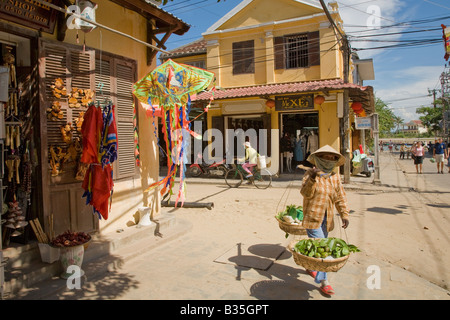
x=72, y=246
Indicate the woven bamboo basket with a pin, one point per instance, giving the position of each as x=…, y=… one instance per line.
x=293, y=229
x=317, y=264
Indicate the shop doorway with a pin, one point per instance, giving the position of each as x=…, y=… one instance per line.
x=257, y=124
x=299, y=138
x=19, y=81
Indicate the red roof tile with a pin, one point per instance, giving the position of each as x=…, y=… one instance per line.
x=195, y=47
x=285, y=88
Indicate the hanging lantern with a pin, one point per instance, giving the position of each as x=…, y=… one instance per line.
x=270, y=104
x=87, y=9
x=357, y=106
x=319, y=99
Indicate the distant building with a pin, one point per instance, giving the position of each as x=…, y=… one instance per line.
x=414, y=126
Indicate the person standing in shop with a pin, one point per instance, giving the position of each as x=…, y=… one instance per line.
x=322, y=190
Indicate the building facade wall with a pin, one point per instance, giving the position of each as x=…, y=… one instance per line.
x=129, y=192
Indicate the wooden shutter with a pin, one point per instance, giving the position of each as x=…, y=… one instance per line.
x=244, y=57
x=124, y=80
x=55, y=60
x=115, y=78
x=278, y=49
x=314, y=48
x=103, y=80
x=74, y=66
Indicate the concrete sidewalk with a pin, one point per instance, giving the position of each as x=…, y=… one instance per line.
x=237, y=257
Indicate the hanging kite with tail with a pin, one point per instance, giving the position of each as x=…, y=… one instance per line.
x=167, y=91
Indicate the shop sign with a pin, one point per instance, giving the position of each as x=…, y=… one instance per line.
x=362, y=123
x=29, y=13
x=297, y=102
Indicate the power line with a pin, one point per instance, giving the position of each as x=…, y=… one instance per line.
x=404, y=99
x=437, y=4
x=404, y=45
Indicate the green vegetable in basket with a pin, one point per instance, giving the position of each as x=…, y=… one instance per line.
x=296, y=212
x=322, y=248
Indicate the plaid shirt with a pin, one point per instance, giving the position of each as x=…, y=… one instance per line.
x=319, y=196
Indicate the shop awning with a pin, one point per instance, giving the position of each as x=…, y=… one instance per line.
x=363, y=94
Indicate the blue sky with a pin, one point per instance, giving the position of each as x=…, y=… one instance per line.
x=403, y=75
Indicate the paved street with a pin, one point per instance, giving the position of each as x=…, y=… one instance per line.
x=235, y=251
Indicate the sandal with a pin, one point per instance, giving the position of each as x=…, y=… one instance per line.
x=327, y=290
x=312, y=273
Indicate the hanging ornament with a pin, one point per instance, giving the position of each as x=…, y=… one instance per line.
x=170, y=86
x=319, y=99
x=270, y=103
x=357, y=107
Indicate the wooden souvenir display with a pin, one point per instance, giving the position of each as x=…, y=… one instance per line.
x=15, y=196
x=68, y=105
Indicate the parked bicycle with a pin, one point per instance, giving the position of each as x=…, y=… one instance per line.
x=262, y=178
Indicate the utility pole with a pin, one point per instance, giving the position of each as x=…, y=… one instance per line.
x=345, y=47
x=434, y=103
x=445, y=91
x=375, y=128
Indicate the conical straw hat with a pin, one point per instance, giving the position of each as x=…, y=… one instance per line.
x=327, y=149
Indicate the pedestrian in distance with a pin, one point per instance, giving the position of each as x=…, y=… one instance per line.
x=408, y=151
x=322, y=190
x=430, y=147
x=439, y=154
x=448, y=156
x=418, y=152
x=402, y=151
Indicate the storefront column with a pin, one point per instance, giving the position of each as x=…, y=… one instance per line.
x=346, y=124
x=149, y=160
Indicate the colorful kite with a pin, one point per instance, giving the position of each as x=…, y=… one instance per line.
x=170, y=86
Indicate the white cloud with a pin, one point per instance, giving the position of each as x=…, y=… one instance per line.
x=404, y=88
x=407, y=89
x=366, y=18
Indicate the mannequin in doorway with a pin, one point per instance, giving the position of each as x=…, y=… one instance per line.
x=313, y=142
x=289, y=155
x=285, y=149
x=298, y=150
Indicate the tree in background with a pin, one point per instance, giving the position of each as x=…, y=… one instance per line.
x=397, y=122
x=431, y=116
x=386, y=118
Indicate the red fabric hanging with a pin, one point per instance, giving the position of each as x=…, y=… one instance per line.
x=92, y=124
x=98, y=181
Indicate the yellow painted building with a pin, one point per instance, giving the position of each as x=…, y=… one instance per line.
x=278, y=67
x=108, y=60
